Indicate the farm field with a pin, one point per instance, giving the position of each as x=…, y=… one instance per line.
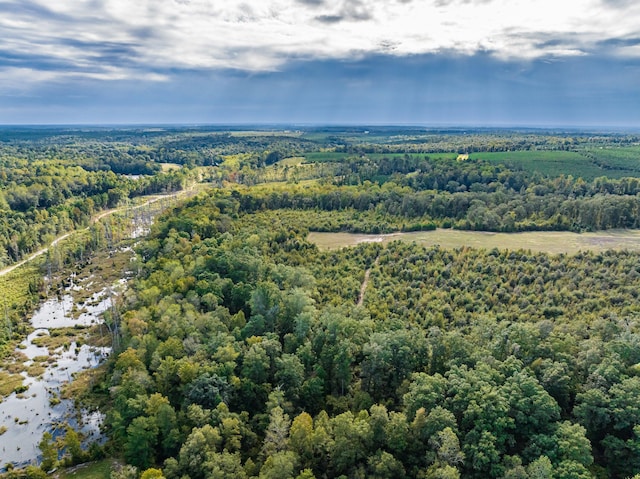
x=625, y=160
x=553, y=163
x=553, y=242
x=588, y=164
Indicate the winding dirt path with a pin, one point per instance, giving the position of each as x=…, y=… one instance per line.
x=365, y=283
x=94, y=220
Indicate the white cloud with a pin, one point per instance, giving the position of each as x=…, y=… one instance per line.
x=124, y=39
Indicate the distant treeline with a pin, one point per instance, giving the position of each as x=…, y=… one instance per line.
x=473, y=195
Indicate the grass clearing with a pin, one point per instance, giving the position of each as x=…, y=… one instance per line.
x=91, y=470
x=170, y=166
x=553, y=242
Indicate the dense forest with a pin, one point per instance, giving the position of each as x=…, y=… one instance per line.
x=246, y=354
x=246, y=351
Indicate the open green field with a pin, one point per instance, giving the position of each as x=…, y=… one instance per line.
x=552, y=163
x=91, y=470
x=553, y=242
x=170, y=166
x=623, y=160
x=593, y=163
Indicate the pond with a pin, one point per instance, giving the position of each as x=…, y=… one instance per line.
x=39, y=408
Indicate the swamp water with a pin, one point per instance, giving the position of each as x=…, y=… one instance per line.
x=29, y=414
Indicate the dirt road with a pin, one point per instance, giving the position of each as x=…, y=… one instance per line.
x=94, y=219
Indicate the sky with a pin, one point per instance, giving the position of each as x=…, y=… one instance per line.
x=415, y=62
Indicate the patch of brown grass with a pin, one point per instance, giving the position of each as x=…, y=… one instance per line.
x=9, y=382
x=36, y=370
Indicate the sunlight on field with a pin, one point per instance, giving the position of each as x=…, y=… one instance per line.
x=170, y=166
x=291, y=161
x=544, y=241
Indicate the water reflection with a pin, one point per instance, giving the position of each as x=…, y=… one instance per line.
x=29, y=414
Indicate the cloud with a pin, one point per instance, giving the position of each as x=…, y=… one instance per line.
x=618, y=3
x=447, y=3
x=330, y=18
x=350, y=11
x=160, y=38
x=429, y=89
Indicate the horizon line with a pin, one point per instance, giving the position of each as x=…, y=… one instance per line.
x=262, y=125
